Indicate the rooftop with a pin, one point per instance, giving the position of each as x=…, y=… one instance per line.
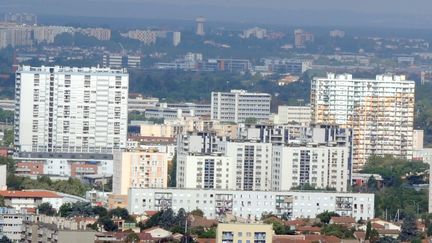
x=29, y=194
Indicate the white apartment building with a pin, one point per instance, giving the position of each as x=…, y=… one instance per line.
x=11, y=223
x=294, y=114
x=176, y=38
x=214, y=171
x=252, y=161
x=140, y=103
x=3, y=175
x=380, y=111
x=140, y=169
x=216, y=204
x=238, y=105
x=319, y=166
x=68, y=109
x=63, y=164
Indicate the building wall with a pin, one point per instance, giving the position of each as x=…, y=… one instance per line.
x=3, y=176
x=418, y=137
x=11, y=224
x=139, y=169
x=238, y=105
x=253, y=164
x=252, y=204
x=298, y=114
x=380, y=112
x=206, y=172
x=64, y=167
x=71, y=109
x=321, y=167
x=244, y=232
x=76, y=236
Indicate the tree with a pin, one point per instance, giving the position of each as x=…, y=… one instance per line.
x=338, y=230
x=82, y=209
x=172, y=170
x=47, y=209
x=4, y=239
x=180, y=219
x=65, y=210
x=2, y=201
x=100, y=211
x=210, y=233
x=368, y=230
x=372, y=184
x=167, y=219
x=408, y=229
x=107, y=223
x=326, y=216
x=121, y=213
x=132, y=237
x=387, y=239
x=374, y=235
x=197, y=212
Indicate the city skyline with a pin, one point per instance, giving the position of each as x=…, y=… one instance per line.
x=343, y=13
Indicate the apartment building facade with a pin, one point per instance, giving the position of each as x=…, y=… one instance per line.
x=319, y=166
x=238, y=105
x=251, y=205
x=380, y=111
x=140, y=169
x=213, y=171
x=253, y=163
x=74, y=110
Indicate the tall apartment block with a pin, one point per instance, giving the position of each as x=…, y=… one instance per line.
x=380, y=111
x=316, y=165
x=70, y=110
x=139, y=169
x=238, y=105
x=200, y=21
x=253, y=163
x=212, y=171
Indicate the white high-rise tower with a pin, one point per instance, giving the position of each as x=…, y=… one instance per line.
x=200, y=25
x=71, y=110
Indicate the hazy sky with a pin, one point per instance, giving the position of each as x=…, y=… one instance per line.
x=397, y=13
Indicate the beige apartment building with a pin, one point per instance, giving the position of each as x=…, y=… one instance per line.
x=380, y=111
x=244, y=233
x=139, y=169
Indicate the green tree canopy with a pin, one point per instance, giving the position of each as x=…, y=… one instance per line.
x=47, y=209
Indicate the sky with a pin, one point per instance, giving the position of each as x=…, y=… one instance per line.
x=381, y=13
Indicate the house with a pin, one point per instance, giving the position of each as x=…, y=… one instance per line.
x=322, y=238
x=158, y=233
x=308, y=230
x=343, y=220
x=31, y=199
x=198, y=221
x=294, y=224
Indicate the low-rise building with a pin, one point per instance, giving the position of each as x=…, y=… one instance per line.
x=251, y=205
x=11, y=223
x=41, y=228
x=258, y=233
x=30, y=199
x=64, y=164
x=294, y=114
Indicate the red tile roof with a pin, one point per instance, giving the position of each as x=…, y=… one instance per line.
x=151, y=213
x=309, y=228
x=342, y=220
x=29, y=194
